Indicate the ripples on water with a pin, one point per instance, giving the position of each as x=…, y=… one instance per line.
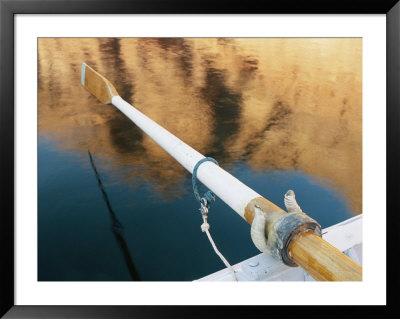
x=276, y=113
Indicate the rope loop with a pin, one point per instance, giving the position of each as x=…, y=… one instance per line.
x=209, y=196
x=205, y=202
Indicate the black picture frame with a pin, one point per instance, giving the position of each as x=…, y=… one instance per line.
x=8, y=8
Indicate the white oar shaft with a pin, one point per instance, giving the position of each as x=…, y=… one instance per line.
x=228, y=188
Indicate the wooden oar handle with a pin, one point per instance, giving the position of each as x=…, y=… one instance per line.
x=321, y=260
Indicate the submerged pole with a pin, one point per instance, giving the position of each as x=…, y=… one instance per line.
x=283, y=231
x=116, y=226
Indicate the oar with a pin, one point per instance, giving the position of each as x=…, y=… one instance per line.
x=291, y=237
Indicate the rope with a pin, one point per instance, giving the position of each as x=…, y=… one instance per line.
x=205, y=228
x=291, y=203
x=205, y=202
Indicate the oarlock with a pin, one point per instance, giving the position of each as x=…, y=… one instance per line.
x=273, y=229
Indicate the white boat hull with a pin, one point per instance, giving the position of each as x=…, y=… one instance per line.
x=345, y=236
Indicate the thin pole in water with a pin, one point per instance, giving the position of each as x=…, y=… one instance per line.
x=117, y=227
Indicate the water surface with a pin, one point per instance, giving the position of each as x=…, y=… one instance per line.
x=277, y=114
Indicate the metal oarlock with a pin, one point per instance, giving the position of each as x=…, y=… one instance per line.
x=272, y=232
x=285, y=229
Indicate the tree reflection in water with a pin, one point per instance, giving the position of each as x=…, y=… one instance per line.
x=292, y=104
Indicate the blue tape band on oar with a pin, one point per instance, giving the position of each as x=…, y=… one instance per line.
x=209, y=195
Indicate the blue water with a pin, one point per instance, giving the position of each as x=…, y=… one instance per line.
x=160, y=240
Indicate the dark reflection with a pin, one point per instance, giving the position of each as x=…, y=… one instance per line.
x=116, y=226
x=276, y=120
x=87, y=57
x=248, y=71
x=40, y=77
x=184, y=56
x=125, y=137
x=170, y=43
x=115, y=67
x=143, y=54
x=225, y=104
x=55, y=88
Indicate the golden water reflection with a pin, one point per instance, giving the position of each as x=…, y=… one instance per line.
x=277, y=103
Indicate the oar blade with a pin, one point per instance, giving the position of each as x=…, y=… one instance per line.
x=97, y=84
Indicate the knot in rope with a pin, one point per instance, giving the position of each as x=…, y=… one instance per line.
x=208, y=196
x=204, y=213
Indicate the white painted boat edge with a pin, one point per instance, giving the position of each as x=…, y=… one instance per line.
x=346, y=236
